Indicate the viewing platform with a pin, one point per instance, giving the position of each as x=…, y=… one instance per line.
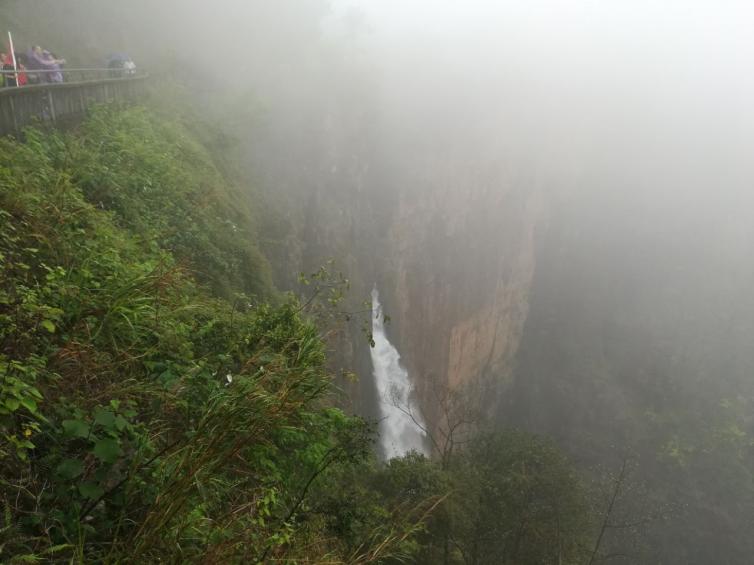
x=65, y=103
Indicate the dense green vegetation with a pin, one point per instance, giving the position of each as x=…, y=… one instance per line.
x=142, y=412
x=160, y=401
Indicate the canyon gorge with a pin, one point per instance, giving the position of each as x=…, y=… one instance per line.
x=543, y=212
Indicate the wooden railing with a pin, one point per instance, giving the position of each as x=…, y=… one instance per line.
x=63, y=103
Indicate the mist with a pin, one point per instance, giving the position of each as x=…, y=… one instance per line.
x=554, y=199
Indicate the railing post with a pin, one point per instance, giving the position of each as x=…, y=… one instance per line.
x=51, y=103
x=13, y=113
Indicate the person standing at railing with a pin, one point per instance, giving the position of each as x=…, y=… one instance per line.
x=40, y=60
x=12, y=76
x=21, y=69
x=55, y=65
x=120, y=65
x=4, y=58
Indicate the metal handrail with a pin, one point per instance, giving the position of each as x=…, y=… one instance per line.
x=44, y=76
x=64, y=70
x=13, y=90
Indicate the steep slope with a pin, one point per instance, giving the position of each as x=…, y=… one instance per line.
x=159, y=401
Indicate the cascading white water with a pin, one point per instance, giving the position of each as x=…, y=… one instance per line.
x=401, y=423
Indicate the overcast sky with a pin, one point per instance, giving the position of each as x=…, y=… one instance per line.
x=681, y=67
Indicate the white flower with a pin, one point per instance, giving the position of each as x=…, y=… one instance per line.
x=229, y=378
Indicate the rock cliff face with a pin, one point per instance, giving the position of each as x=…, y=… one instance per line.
x=608, y=322
x=452, y=250
x=460, y=267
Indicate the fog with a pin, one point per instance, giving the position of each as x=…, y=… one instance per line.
x=554, y=199
x=584, y=84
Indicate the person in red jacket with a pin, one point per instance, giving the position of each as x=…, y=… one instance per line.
x=9, y=78
x=21, y=71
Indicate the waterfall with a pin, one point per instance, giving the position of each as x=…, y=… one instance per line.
x=399, y=431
